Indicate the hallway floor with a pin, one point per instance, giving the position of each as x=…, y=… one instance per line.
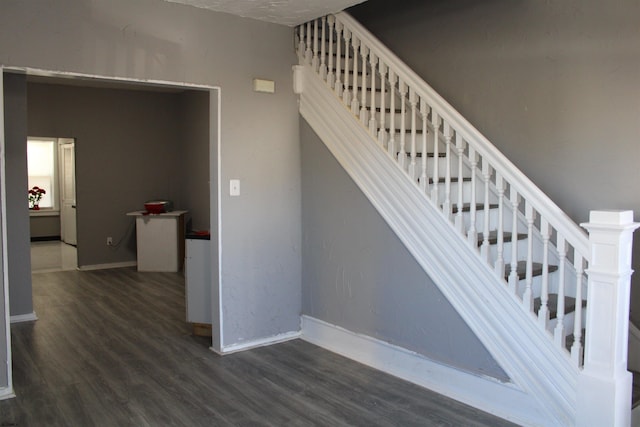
x=112, y=348
x=53, y=256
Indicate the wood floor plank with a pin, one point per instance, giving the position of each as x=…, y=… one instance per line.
x=112, y=348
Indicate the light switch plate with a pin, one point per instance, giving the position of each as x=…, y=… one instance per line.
x=234, y=187
x=265, y=86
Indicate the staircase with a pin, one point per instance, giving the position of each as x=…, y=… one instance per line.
x=507, y=258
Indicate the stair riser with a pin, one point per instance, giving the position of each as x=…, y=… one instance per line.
x=554, y=277
x=378, y=98
x=467, y=187
x=397, y=120
x=567, y=321
x=479, y=221
x=521, y=246
x=442, y=168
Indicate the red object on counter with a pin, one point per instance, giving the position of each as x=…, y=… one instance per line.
x=157, y=207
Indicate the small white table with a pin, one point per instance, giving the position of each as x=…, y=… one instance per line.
x=160, y=240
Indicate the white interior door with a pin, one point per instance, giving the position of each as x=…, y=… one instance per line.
x=67, y=165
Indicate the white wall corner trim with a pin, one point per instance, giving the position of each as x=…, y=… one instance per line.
x=29, y=317
x=488, y=394
x=108, y=266
x=261, y=342
x=6, y=393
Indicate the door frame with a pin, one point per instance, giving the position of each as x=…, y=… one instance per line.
x=61, y=143
x=215, y=99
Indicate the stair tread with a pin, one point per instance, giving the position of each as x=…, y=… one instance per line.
x=429, y=155
x=552, y=303
x=466, y=207
x=453, y=179
x=493, y=235
x=536, y=270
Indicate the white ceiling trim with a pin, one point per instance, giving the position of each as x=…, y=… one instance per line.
x=285, y=12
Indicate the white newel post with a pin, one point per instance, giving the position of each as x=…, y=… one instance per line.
x=604, y=387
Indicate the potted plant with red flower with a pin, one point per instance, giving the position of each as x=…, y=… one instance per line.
x=35, y=194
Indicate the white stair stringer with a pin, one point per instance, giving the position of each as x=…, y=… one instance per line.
x=522, y=349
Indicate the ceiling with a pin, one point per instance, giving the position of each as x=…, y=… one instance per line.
x=285, y=12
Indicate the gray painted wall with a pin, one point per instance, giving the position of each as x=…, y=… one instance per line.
x=194, y=142
x=555, y=85
x=44, y=226
x=18, y=244
x=358, y=275
x=153, y=39
x=127, y=146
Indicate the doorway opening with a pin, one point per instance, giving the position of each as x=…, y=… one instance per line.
x=52, y=206
x=210, y=181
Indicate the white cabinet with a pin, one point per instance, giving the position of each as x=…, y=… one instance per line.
x=160, y=240
x=198, y=280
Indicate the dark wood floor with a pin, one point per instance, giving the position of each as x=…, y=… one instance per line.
x=111, y=348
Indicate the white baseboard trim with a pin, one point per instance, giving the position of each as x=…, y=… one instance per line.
x=504, y=400
x=248, y=345
x=6, y=393
x=29, y=317
x=108, y=266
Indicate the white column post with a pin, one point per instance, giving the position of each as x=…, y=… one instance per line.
x=604, y=387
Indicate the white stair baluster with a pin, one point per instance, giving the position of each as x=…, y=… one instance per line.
x=338, y=83
x=308, y=54
x=314, y=61
x=331, y=20
x=346, y=94
x=559, y=334
x=513, y=274
x=472, y=233
x=460, y=152
x=576, y=348
x=486, y=177
x=543, y=311
x=413, y=100
x=391, y=146
x=402, y=153
x=448, y=135
x=435, y=121
x=355, y=103
x=323, y=49
x=364, y=119
x=499, y=265
x=382, y=133
x=527, y=297
x=424, y=177
x=301, y=44
x=373, y=62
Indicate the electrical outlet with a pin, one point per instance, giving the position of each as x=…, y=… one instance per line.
x=109, y=241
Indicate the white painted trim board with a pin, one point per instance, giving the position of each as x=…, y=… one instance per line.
x=107, y=266
x=260, y=342
x=29, y=317
x=6, y=393
x=485, y=393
